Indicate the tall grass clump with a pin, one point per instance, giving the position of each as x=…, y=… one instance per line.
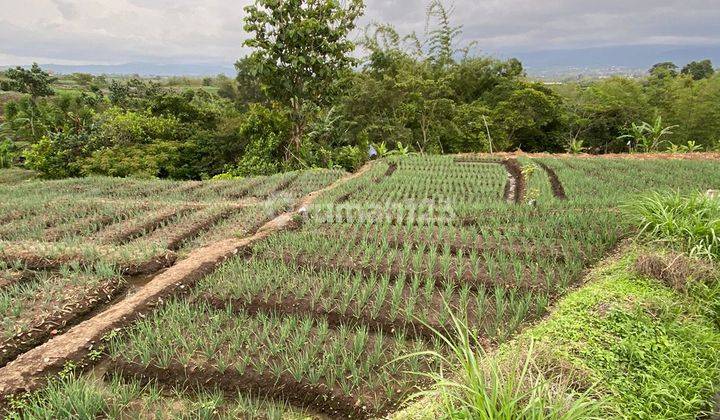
x=690, y=223
x=473, y=384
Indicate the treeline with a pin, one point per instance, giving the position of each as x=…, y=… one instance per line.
x=301, y=100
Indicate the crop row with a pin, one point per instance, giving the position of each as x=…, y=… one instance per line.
x=281, y=356
x=49, y=224
x=295, y=184
x=116, y=397
x=138, y=246
x=68, y=247
x=610, y=182
x=384, y=304
x=419, y=179
x=37, y=305
x=493, y=267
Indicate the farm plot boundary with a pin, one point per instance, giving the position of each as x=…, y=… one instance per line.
x=28, y=371
x=515, y=187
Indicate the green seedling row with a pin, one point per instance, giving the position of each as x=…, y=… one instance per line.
x=349, y=362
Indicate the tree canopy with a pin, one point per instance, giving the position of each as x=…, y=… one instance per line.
x=301, y=50
x=308, y=96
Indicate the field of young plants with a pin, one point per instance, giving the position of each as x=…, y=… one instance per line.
x=319, y=319
x=69, y=247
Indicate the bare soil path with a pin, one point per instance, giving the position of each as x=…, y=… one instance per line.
x=29, y=371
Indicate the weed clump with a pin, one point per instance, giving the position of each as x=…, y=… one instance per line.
x=675, y=270
x=689, y=223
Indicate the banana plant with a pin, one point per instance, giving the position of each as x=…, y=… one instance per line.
x=575, y=147
x=400, y=150
x=648, y=137
x=691, y=147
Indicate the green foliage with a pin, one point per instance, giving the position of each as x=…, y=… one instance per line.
x=529, y=171
x=34, y=81
x=600, y=113
x=575, y=147
x=442, y=38
x=648, y=349
x=6, y=155
x=529, y=118
x=118, y=127
x=690, y=147
x=301, y=49
x=159, y=159
x=699, y=69
x=58, y=155
x=264, y=132
x=689, y=222
x=663, y=70
x=477, y=385
x=648, y=137
x=472, y=132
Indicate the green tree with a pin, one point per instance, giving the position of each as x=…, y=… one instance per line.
x=699, y=70
x=263, y=133
x=473, y=129
x=247, y=88
x=442, y=38
x=427, y=107
x=83, y=79
x=530, y=119
x=36, y=82
x=663, y=70
x=301, y=51
x=473, y=78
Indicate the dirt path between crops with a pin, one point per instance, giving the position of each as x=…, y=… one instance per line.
x=555, y=184
x=632, y=156
x=28, y=371
x=515, y=187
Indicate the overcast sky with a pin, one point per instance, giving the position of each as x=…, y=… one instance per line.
x=192, y=31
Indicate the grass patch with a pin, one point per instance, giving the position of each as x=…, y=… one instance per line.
x=690, y=223
x=506, y=386
x=651, y=351
x=639, y=348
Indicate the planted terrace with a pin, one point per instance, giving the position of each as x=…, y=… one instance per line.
x=69, y=248
x=317, y=318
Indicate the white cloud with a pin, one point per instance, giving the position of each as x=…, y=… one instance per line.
x=172, y=31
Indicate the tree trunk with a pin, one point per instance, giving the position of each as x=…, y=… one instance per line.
x=292, y=151
x=298, y=130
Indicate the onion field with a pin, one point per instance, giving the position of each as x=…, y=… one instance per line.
x=327, y=319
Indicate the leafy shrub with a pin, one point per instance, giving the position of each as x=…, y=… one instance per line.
x=6, y=155
x=264, y=132
x=118, y=127
x=162, y=159
x=472, y=133
x=690, y=223
x=348, y=157
x=57, y=156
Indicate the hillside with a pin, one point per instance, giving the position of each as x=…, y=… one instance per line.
x=309, y=293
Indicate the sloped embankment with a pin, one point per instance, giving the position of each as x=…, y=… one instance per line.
x=642, y=339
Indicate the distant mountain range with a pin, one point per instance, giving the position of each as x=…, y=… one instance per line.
x=628, y=57
x=144, y=69
x=558, y=61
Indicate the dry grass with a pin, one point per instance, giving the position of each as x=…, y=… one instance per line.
x=675, y=270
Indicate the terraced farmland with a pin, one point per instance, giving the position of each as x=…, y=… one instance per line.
x=69, y=247
x=315, y=320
